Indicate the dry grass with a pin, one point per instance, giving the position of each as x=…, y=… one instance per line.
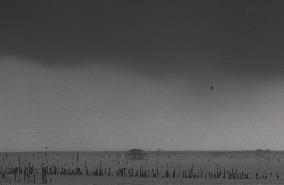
x=107, y=168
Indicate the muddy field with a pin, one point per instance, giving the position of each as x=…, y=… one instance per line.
x=156, y=167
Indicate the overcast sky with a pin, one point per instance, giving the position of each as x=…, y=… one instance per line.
x=114, y=75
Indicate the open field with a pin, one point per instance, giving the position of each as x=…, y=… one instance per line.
x=155, y=167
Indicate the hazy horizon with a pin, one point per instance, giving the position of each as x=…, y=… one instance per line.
x=147, y=150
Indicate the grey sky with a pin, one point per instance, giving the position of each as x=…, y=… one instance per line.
x=118, y=75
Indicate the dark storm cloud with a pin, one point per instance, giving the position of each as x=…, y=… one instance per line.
x=124, y=74
x=146, y=35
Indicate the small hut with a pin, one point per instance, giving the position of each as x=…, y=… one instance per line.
x=135, y=154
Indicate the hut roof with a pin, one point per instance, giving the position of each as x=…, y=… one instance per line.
x=136, y=150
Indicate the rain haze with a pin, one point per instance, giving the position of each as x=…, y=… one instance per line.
x=114, y=75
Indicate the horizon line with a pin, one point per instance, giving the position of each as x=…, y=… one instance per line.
x=248, y=150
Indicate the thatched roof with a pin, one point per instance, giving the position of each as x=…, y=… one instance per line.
x=136, y=150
